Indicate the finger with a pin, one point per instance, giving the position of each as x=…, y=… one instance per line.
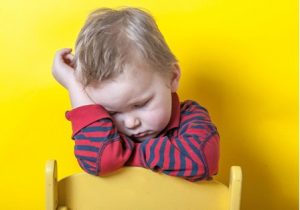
x=66, y=51
x=60, y=55
x=68, y=59
x=62, y=52
x=69, y=56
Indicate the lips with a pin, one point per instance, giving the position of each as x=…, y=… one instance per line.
x=142, y=134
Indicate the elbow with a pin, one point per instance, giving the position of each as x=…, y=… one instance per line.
x=101, y=169
x=110, y=159
x=209, y=164
x=87, y=166
x=212, y=155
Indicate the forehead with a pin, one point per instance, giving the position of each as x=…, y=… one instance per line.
x=132, y=86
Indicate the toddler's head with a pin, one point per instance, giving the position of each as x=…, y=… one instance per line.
x=124, y=63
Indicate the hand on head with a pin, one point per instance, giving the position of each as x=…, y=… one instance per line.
x=63, y=67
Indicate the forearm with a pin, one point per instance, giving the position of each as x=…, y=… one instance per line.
x=78, y=96
x=181, y=156
x=99, y=147
x=191, y=151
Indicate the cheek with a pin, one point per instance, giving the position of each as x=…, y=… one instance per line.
x=158, y=119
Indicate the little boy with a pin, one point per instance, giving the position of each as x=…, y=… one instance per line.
x=122, y=84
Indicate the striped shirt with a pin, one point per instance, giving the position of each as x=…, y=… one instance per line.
x=188, y=147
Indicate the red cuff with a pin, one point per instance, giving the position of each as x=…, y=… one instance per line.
x=84, y=115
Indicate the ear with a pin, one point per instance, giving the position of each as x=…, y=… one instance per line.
x=175, y=76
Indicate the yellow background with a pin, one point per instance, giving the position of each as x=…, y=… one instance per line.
x=239, y=59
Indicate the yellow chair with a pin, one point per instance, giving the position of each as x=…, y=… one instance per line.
x=134, y=188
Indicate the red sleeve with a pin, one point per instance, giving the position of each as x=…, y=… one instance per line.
x=99, y=148
x=85, y=115
x=190, y=151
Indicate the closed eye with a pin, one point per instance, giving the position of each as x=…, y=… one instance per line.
x=142, y=104
x=113, y=113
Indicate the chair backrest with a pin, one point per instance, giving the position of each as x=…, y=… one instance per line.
x=133, y=188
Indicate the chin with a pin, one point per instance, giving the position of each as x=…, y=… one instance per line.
x=145, y=138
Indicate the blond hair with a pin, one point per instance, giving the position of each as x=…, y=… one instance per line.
x=112, y=38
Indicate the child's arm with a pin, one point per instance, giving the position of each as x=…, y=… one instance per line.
x=99, y=148
x=63, y=72
x=94, y=134
x=191, y=152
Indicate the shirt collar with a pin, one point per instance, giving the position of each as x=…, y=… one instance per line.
x=175, y=116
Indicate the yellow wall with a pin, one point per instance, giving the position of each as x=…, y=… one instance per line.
x=239, y=59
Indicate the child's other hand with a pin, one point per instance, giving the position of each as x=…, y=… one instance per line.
x=63, y=67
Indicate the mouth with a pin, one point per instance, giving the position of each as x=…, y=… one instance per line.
x=142, y=134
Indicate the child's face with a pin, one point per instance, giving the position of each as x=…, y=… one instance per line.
x=139, y=100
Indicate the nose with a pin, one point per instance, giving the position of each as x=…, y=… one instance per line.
x=131, y=122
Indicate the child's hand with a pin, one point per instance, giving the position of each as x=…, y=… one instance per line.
x=63, y=67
